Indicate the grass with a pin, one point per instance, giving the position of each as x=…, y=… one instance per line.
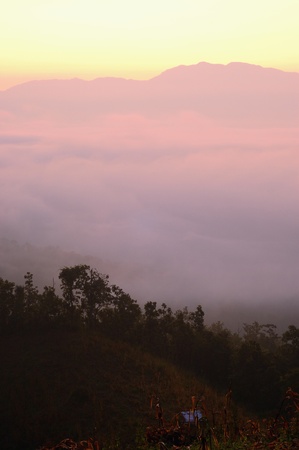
x=62, y=384
x=81, y=386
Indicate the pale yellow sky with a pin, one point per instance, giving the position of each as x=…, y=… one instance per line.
x=139, y=39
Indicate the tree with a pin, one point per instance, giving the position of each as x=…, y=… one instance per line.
x=166, y=321
x=289, y=357
x=6, y=303
x=255, y=378
x=121, y=317
x=291, y=337
x=152, y=335
x=18, y=312
x=264, y=334
x=85, y=290
x=182, y=339
x=31, y=299
x=50, y=307
x=197, y=319
x=96, y=293
x=70, y=284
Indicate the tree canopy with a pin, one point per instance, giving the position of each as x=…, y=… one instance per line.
x=259, y=364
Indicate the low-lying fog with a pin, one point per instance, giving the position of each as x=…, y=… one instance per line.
x=179, y=205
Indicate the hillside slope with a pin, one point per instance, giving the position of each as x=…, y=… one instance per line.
x=65, y=384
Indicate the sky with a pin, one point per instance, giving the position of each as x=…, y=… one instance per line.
x=139, y=39
x=185, y=185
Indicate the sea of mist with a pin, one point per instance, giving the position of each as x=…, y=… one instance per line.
x=183, y=188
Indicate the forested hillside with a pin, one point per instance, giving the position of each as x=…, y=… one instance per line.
x=89, y=361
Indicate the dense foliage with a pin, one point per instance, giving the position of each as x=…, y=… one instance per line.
x=258, y=366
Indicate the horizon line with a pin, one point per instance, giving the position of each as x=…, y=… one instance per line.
x=70, y=78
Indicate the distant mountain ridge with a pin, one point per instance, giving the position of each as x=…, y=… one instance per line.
x=232, y=93
x=182, y=72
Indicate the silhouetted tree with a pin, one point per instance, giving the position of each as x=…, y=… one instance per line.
x=121, y=317
x=50, y=308
x=263, y=334
x=31, y=299
x=255, y=378
x=85, y=290
x=6, y=303
x=197, y=319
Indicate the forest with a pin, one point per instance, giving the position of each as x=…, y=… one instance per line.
x=258, y=365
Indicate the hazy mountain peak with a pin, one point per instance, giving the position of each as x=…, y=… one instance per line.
x=176, y=73
x=236, y=93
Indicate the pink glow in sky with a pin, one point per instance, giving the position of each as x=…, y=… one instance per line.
x=188, y=181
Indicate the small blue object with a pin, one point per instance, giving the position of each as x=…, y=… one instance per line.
x=191, y=416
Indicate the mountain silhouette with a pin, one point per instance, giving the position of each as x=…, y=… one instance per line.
x=236, y=94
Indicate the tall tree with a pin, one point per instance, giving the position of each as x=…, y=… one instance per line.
x=197, y=318
x=85, y=290
x=6, y=303
x=31, y=299
x=121, y=317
